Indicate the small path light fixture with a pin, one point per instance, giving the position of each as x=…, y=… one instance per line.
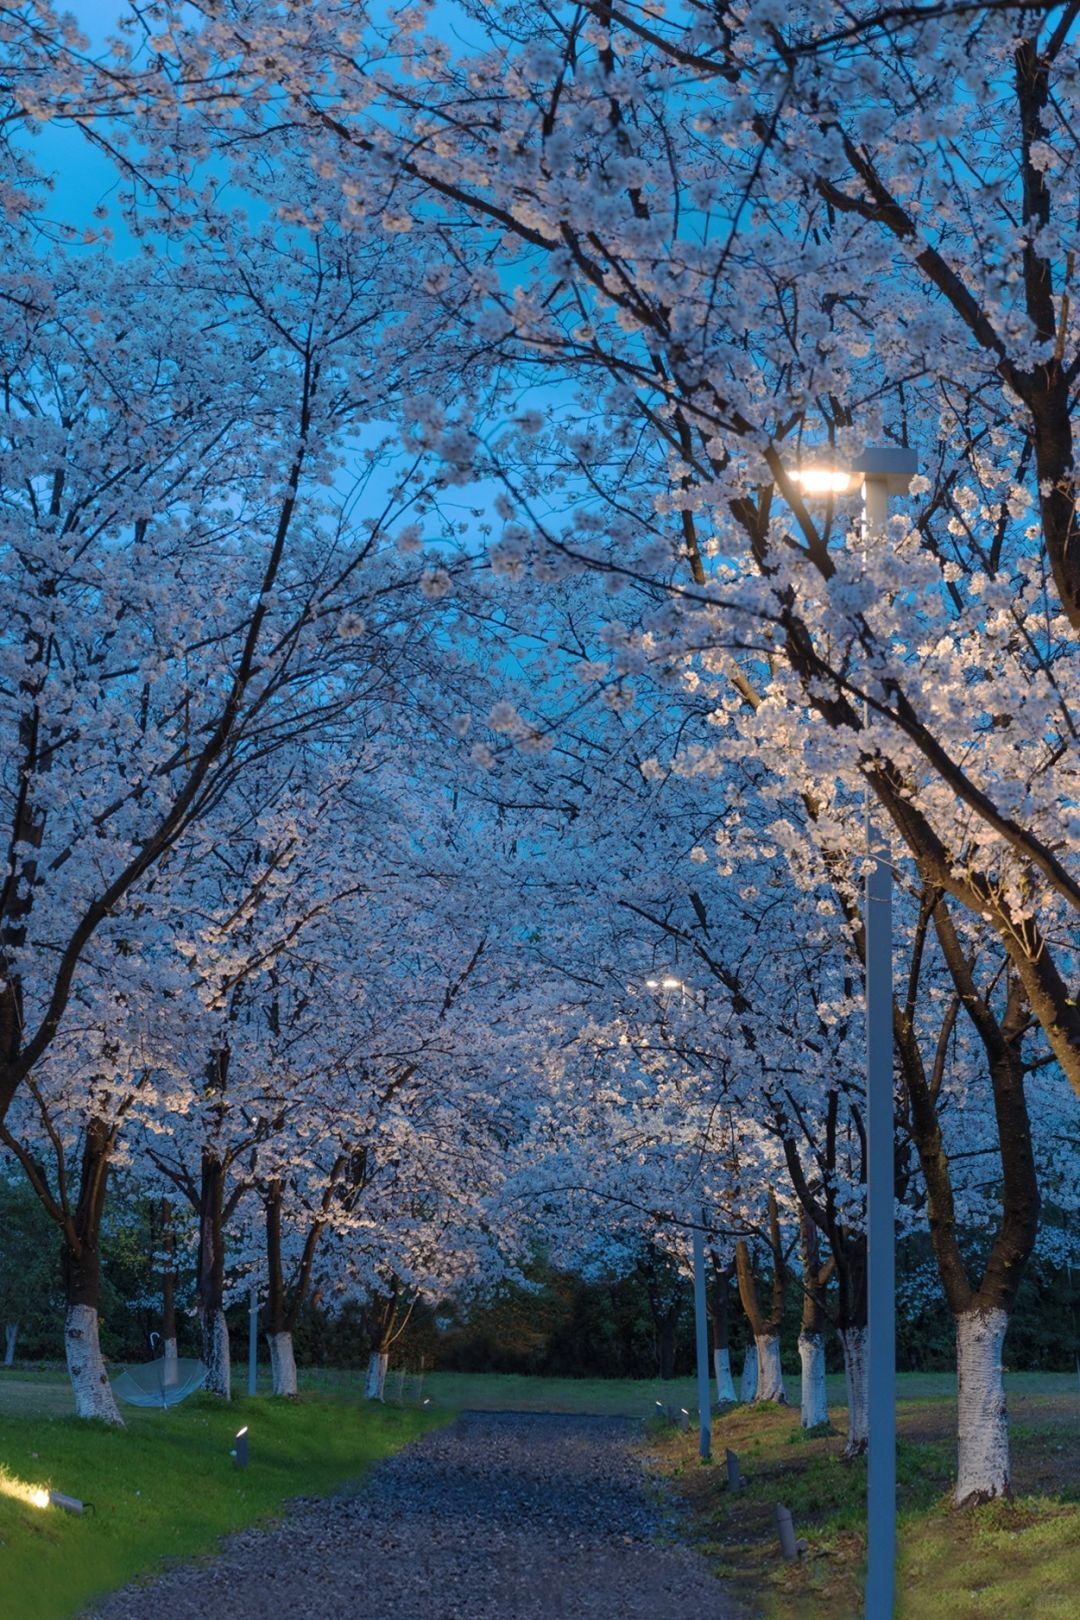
x=881, y=471
x=790, y=1545
x=239, y=1452
x=39, y=1496
x=70, y=1504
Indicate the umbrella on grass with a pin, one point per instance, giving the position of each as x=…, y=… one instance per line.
x=165, y=1382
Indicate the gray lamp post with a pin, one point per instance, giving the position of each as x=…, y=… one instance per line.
x=701, y=1337
x=882, y=471
x=253, y=1340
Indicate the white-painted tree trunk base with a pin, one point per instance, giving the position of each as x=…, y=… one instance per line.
x=813, y=1406
x=282, y=1363
x=748, y=1380
x=90, y=1385
x=853, y=1343
x=982, y=1421
x=725, y=1384
x=216, y=1355
x=11, y=1336
x=169, y=1351
x=378, y=1361
x=770, y=1378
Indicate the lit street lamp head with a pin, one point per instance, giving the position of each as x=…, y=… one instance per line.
x=824, y=480
x=890, y=467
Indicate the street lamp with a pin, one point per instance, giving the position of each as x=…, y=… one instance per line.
x=881, y=471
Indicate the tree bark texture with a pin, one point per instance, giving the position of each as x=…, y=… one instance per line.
x=813, y=1406
x=284, y=1299
x=378, y=1361
x=765, y=1324
x=211, y=1276
x=725, y=1384
x=81, y=1267
x=90, y=1385
x=282, y=1363
x=983, y=1470
x=853, y=1341
x=748, y=1380
x=770, y=1378
x=720, y=1282
x=982, y=1307
x=215, y=1338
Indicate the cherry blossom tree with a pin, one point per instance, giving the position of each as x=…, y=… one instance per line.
x=813, y=268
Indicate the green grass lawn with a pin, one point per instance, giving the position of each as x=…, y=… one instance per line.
x=509, y=1392
x=630, y=1397
x=1004, y=1561
x=165, y=1486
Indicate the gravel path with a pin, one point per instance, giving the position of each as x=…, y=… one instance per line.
x=501, y=1516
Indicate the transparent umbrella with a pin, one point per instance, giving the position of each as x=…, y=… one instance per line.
x=165, y=1382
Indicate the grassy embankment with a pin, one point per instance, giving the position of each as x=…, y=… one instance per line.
x=165, y=1486
x=1004, y=1561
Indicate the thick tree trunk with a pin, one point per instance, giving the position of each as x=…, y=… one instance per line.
x=981, y=1313
x=725, y=1384
x=11, y=1334
x=382, y=1317
x=282, y=1363
x=81, y=1265
x=813, y=1407
x=765, y=1325
x=853, y=1343
x=283, y=1304
x=378, y=1361
x=90, y=1385
x=278, y=1321
x=849, y=1253
x=748, y=1381
x=211, y=1277
x=718, y=1319
x=770, y=1377
x=215, y=1353
x=982, y=1423
x=169, y=1350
